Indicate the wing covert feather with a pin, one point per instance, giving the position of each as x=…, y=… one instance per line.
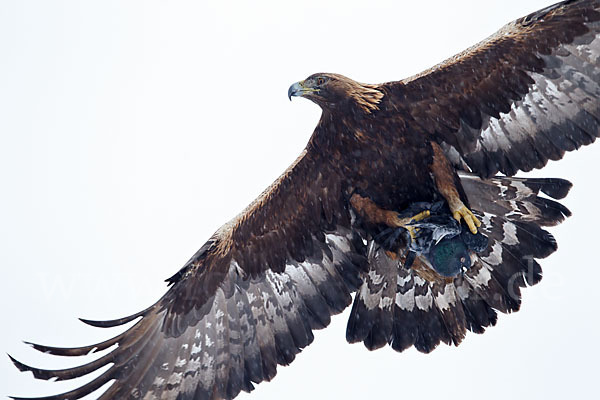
x=521, y=97
x=245, y=303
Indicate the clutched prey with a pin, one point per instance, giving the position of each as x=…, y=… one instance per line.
x=425, y=230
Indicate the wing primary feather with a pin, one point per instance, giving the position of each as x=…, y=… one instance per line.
x=64, y=374
x=133, y=367
x=77, y=351
x=116, y=322
x=252, y=352
x=76, y=393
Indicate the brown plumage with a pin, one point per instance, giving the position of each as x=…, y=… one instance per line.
x=249, y=299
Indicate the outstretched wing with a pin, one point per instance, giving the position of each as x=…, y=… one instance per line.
x=524, y=96
x=247, y=301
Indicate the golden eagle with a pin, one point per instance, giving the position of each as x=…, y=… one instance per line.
x=249, y=299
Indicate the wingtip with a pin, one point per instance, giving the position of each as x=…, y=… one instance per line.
x=90, y=322
x=20, y=366
x=106, y=324
x=24, y=398
x=556, y=188
x=32, y=345
x=115, y=322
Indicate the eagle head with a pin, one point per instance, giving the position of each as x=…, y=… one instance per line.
x=334, y=91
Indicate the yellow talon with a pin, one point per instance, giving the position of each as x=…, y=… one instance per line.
x=412, y=231
x=471, y=220
x=421, y=216
x=405, y=222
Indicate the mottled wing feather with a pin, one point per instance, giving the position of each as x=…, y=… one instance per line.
x=524, y=96
x=371, y=316
x=245, y=303
x=428, y=309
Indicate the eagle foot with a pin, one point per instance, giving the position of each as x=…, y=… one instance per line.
x=445, y=180
x=462, y=212
x=407, y=222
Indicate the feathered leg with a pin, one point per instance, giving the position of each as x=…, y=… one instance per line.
x=444, y=176
x=374, y=214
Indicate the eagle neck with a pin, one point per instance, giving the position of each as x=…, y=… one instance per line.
x=332, y=130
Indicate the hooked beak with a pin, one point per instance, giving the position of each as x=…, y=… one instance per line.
x=298, y=89
x=295, y=90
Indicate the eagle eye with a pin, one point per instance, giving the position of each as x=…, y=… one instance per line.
x=320, y=81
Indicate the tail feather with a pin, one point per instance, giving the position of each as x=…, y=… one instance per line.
x=513, y=188
x=478, y=313
x=518, y=199
x=451, y=310
x=371, y=318
x=429, y=309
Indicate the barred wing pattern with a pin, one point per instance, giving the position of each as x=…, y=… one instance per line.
x=247, y=301
x=524, y=96
x=415, y=307
x=250, y=298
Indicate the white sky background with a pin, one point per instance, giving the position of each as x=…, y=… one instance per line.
x=130, y=131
